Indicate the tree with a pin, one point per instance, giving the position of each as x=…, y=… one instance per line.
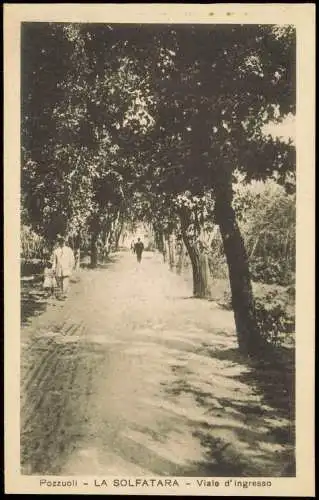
x=74, y=179
x=252, y=76
x=266, y=214
x=212, y=90
x=195, y=215
x=184, y=107
x=215, y=88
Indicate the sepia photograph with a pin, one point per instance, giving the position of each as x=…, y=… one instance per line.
x=157, y=255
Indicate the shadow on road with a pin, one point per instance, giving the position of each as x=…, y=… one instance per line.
x=273, y=375
x=151, y=383
x=249, y=410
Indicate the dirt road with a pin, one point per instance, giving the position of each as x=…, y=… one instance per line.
x=130, y=375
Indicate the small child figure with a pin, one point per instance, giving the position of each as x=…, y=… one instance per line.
x=49, y=283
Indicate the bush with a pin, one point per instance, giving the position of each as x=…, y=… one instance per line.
x=217, y=266
x=275, y=311
x=31, y=267
x=267, y=219
x=270, y=271
x=33, y=246
x=275, y=314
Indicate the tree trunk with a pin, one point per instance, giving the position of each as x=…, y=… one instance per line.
x=106, y=245
x=200, y=284
x=118, y=232
x=171, y=251
x=124, y=236
x=205, y=272
x=249, y=338
x=166, y=249
x=117, y=240
x=181, y=258
x=115, y=231
x=109, y=240
x=108, y=231
x=77, y=254
x=159, y=240
x=94, y=252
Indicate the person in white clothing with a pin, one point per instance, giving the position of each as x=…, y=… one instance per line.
x=63, y=265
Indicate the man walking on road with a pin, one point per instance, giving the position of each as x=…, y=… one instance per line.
x=63, y=265
x=138, y=249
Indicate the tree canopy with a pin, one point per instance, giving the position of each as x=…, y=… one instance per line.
x=152, y=122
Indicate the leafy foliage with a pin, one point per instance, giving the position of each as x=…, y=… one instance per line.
x=33, y=246
x=150, y=124
x=275, y=311
x=275, y=315
x=267, y=217
x=103, y=90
